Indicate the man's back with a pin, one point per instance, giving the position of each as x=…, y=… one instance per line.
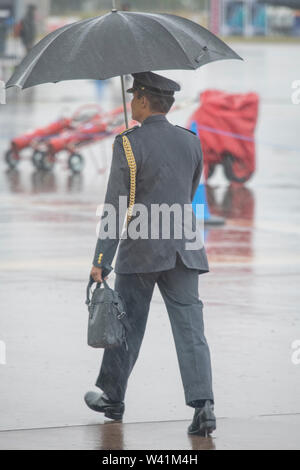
x=166, y=157
x=168, y=163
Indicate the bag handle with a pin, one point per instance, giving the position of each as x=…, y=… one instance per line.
x=105, y=272
x=88, y=289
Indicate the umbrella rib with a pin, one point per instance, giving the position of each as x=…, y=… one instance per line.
x=174, y=37
x=36, y=59
x=211, y=37
x=99, y=19
x=58, y=36
x=131, y=32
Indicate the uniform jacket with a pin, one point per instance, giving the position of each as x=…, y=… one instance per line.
x=165, y=168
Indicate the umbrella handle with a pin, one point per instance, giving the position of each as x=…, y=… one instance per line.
x=124, y=101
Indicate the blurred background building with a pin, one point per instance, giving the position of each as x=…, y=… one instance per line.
x=11, y=13
x=243, y=18
x=228, y=17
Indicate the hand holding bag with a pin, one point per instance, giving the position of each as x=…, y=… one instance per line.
x=108, y=322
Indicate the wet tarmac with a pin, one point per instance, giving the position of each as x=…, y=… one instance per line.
x=251, y=295
x=260, y=433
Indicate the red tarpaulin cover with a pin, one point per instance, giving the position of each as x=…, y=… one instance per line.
x=220, y=114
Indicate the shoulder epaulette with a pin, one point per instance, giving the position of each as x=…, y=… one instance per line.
x=188, y=130
x=127, y=131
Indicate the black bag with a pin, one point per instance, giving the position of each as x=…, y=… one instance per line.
x=108, y=321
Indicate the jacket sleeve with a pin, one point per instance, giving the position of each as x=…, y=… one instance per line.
x=197, y=173
x=112, y=218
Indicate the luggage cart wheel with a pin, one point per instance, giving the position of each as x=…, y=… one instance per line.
x=211, y=170
x=76, y=162
x=47, y=161
x=11, y=158
x=37, y=159
x=230, y=172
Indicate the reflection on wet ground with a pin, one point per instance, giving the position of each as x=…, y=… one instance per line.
x=42, y=182
x=251, y=295
x=262, y=433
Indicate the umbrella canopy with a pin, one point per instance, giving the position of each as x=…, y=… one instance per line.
x=119, y=43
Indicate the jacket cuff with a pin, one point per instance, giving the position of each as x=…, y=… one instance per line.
x=99, y=263
x=98, y=260
x=98, y=255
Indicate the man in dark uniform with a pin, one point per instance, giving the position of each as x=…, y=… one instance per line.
x=155, y=165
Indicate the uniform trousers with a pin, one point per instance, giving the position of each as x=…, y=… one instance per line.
x=179, y=289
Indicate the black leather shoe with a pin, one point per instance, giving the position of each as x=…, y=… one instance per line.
x=102, y=404
x=204, y=421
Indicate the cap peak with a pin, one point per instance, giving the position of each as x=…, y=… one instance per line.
x=153, y=83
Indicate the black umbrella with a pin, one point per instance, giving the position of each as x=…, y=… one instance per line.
x=119, y=43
